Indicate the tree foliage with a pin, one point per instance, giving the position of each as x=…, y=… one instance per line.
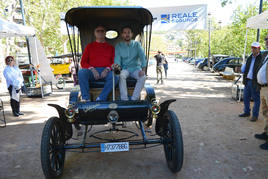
x=158, y=43
x=44, y=16
x=230, y=39
x=225, y=2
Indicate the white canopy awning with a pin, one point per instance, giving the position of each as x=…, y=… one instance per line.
x=259, y=21
x=11, y=29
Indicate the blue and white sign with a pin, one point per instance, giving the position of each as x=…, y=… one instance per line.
x=180, y=17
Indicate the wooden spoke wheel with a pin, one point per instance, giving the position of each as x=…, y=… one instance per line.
x=173, y=145
x=52, y=148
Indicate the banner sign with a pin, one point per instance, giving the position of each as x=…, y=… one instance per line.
x=179, y=17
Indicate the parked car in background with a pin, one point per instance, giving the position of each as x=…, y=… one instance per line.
x=185, y=59
x=232, y=62
x=188, y=60
x=217, y=58
x=197, y=61
x=192, y=61
x=202, y=64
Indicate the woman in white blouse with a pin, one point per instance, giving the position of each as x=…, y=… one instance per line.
x=14, y=80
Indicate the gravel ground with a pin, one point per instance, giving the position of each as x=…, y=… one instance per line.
x=217, y=143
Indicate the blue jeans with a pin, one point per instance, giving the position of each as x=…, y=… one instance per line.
x=250, y=91
x=85, y=76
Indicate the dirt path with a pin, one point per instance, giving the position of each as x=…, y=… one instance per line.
x=217, y=143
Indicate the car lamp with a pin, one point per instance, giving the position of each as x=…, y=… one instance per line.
x=155, y=109
x=113, y=116
x=69, y=113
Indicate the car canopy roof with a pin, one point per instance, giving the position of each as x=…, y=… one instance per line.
x=100, y=14
x=112, y=17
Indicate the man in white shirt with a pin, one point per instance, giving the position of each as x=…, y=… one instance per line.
x=262, y=79
x=252, y=88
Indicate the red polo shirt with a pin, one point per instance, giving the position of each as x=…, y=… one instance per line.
x=98, y=55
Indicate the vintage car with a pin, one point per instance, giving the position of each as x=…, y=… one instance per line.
x=62, y=66
x=58, y=130
x=231, y=62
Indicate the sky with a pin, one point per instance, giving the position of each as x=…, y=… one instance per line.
x=214, y=6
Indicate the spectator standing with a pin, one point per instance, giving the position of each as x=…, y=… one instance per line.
x=73, y=68
x=159, y=64
x=252, y=88
x=14, y=80
x=165, y=65
x=262, y=79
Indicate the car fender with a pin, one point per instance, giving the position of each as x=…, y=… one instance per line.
x=161, y=121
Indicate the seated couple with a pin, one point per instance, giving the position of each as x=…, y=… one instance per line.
x=98, y=58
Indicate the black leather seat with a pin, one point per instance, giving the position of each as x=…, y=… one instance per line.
x=131, y=82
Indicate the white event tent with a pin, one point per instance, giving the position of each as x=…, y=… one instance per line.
x=11, y=29
x=259, y=21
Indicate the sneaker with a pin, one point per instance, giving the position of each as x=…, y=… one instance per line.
x=16, y=114
x=262, y=136
x=85, y=100
x=264, y=146
x=254, y=119
x=244, y=115
x=20, y=113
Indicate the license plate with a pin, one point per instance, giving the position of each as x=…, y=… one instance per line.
x=115, y=147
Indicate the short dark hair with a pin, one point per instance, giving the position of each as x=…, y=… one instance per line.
x=7, y=59
x=127, y=26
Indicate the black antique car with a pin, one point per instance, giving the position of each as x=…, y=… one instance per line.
x=58, y=131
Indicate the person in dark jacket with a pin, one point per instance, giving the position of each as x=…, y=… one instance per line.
x=159, y=63
x=252, y=88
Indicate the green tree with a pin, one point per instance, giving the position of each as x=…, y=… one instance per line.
x=44, y=16
x=230, y=39
x=158, y=43
x=225, y=2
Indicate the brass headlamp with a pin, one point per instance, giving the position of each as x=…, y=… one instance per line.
x=70, y=113
x=155, y=109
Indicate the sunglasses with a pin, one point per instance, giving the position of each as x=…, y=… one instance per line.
x=9, y=60
x=266, y=38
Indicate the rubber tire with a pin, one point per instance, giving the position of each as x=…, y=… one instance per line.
x=174, y=155
x=45, y=146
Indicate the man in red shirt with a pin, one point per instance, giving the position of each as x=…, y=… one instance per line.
x=96, y=63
